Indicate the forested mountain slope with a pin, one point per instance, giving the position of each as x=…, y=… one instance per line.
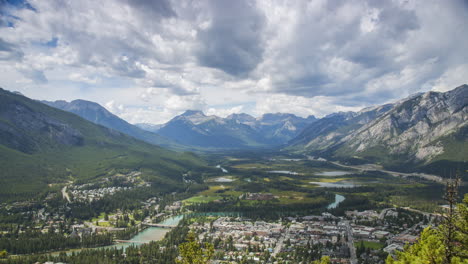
x=41, y=146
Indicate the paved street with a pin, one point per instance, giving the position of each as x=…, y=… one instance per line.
x=352, y=249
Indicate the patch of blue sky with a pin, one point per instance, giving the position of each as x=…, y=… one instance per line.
x=7, y=8
x=19, y=4
x=52, y=43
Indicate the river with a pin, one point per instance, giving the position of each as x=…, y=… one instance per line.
x=338, y=200
x=157, y=233
x=145, y=236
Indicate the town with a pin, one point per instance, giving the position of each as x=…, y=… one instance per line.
x=357, y=237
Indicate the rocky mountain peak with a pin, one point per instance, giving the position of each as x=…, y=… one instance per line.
x=193, y=113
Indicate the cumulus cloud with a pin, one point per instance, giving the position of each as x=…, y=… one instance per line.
x=115, y=108
x=224, y=112
x=181, y=103
x=162, y=57
x=35, y=75
x=453, y=77
x=9, y=51
x=78, y=77
x=231, y=40
x=318, y=106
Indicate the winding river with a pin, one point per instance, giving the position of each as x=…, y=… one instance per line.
x=145, y=236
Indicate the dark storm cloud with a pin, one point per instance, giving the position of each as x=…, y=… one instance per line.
x=233, y=41
x=9, y=51
x=152, y=8
x=375, y=49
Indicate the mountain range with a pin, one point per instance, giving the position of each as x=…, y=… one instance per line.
x=428, y=130
x=237, y=131
x=193, y=130
x=42, y=146
x=97, y=114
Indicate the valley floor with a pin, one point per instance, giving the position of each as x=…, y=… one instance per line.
x=261, y=209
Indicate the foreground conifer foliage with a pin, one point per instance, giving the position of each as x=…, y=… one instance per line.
x=445, y=244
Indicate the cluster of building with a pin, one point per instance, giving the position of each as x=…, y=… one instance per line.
x=86, y=192
x=95, y=194
x=175, y=206
x=258, y=196
x=254, y=239
x=336, y=237
x=369, y=233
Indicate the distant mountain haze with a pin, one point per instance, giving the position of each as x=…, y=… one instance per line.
x=237, y=131
x=97, y=114
x=195, y=130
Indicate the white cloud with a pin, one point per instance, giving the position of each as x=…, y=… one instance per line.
x=160, y=58
x=78, y=77
x=301, y=106
x=181, y=103
x=114, y=107
x=453, y=77
x=224, y=112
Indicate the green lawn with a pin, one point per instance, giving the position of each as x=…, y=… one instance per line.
x=201, y=199
x=370, y=244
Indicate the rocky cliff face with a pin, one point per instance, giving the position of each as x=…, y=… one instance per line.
x=27, y=130
x=415, y=126
x=420, y=129
x=330, y=130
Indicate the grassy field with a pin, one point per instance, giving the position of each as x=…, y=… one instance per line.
x=376, y=189
x=201, y=199
x=369, y=244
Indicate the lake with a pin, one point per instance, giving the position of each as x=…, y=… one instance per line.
x=332, y=173
x=223, y=179
x=222, y=169
x=338, y=184
x=284, y=172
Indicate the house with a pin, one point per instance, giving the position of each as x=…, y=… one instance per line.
x=381, y=234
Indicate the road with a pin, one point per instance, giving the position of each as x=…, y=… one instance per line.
x=406, y=232
x=352, y=249
x=374, y=167
x=279, y=245
x=65, y=194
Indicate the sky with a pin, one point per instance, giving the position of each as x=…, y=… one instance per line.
x=147, y=61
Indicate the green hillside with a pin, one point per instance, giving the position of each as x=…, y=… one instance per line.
x=42, y=147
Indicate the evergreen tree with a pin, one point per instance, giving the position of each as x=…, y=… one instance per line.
x=323, y=260
x=193, y=252
x=446, y=244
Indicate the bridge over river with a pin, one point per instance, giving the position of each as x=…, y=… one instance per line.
x=129, y=241
x=159, y=225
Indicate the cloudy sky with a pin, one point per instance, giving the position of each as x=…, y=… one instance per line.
x=148, y=61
